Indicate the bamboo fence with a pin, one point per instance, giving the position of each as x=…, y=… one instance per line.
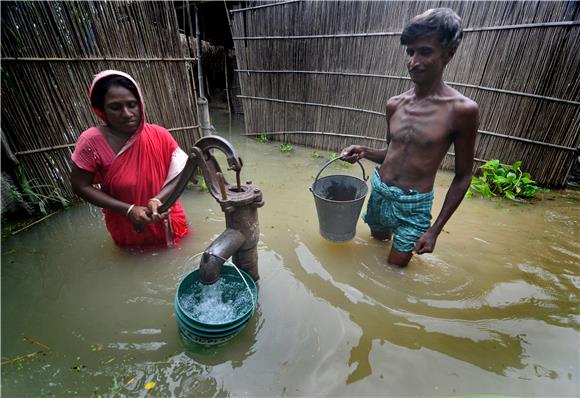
x=320, y=73
x=52, y=50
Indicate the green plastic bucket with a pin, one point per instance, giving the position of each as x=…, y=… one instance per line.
x=212, y=314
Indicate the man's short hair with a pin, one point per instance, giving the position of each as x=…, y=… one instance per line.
x=444, y=23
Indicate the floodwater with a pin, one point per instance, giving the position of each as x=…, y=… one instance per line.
x=493, y=311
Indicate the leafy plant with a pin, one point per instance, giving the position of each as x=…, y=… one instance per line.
x=504, y=181
x=286, y=148
x=33, y=196
x=315, y=155
x=200, y=183
x=262, y=138
x=203, y=185
x=344, y=164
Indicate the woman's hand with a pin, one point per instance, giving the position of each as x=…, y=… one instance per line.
x=153, y=204
x=352, y=153
x=140, y=215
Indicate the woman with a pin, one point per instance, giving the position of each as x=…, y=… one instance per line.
x=134, y=162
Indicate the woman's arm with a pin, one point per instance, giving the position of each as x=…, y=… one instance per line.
x=82, y=184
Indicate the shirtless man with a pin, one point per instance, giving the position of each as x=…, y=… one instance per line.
x=422, y=123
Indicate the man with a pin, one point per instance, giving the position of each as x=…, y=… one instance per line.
x=422, y=123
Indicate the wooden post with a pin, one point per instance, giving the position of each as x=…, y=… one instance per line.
x=203, y=108
x=227, y=83
x=199, y=55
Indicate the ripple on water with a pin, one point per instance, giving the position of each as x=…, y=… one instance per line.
x=217, y=304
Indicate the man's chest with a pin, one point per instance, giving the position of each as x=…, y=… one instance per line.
x=427, y=125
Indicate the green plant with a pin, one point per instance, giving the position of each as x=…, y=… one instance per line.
x=33, y=196
x=315, y=155
x=344, y=164
x=262, y=138
x=200, y=183
x=504, y=181
x=286, y=148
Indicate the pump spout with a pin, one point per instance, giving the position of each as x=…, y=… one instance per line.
x=217, y=253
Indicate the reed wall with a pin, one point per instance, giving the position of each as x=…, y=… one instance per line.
x=52, y=50
x=320, y=73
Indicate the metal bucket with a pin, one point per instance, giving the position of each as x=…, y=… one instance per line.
x=339, y=200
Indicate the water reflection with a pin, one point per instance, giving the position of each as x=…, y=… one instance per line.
x=467, y=340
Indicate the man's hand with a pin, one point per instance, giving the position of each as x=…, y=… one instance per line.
x=352, y=153
x=426, y=243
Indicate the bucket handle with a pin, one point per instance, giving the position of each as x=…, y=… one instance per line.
x=365, y=177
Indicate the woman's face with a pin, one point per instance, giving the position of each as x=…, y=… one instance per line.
x=122, y=110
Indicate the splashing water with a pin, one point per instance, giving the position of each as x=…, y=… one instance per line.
x=222, y=302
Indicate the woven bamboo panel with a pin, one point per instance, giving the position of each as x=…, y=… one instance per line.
x=330, y=67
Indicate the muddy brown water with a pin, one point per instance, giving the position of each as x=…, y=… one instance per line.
x=493, y=311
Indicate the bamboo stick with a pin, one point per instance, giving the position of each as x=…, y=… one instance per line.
x=384, y=140
x=311, y=104
x=316, y=133
x=264, y=6
x=92, y=59
x=491, y=89
x=374, y=34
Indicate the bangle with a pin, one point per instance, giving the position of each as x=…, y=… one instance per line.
x=156, y=200
x=130, y=208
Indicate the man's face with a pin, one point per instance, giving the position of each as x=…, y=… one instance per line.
x=426, y=59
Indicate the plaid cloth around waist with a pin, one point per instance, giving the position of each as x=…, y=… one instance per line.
x=410, y=199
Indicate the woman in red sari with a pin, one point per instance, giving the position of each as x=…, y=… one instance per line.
x=134, y=162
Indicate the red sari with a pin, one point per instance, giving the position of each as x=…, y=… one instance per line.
x=134, y=175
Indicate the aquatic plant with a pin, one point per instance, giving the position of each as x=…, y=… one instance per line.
x=504, y=181
x=286, y=148
x=344, y=164
x=116, y=389
x=262, y=138
x=199, y=184
x=33, y=197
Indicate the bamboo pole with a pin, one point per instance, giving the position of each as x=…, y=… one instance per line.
x=333, y=73
x=227, y=83
x=264, y=6
x=375, y=34
x=545, y=144
x=347, y=108
x=92, y=59
x=316, y=133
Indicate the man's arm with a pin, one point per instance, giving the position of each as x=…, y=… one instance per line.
x=356, y=152
x=466, y=123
